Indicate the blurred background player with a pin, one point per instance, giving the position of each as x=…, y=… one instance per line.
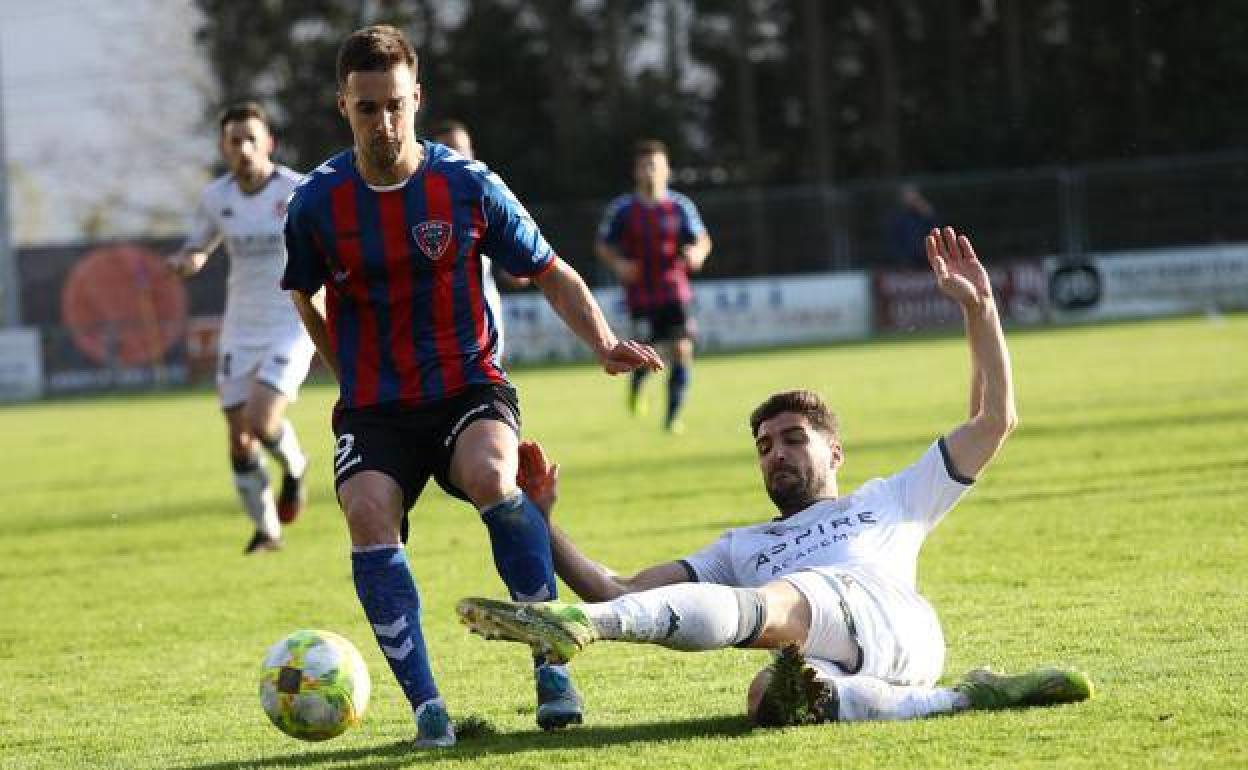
x=908, y=224
x=454, y=134
x=264, y=352
x=652, y=239
x=390, y=233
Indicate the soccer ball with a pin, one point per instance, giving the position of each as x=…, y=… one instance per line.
x=314, y=685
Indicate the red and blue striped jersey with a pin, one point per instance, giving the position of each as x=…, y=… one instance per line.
x=651, y=234
x=402, y=268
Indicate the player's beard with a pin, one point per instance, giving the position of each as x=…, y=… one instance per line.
x=247, y=173
x=384, y=153
x=795, y=490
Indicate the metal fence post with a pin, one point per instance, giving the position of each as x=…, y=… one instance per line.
x=10, y=292
x=1072, y=213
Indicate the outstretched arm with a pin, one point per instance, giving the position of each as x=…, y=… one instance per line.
x=591, y=581
x=962, y=278
x=572, y=300
x=203, y=239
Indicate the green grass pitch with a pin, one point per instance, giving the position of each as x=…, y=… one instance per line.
x=1110, y=534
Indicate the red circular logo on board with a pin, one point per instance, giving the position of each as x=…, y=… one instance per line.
x=121, y=305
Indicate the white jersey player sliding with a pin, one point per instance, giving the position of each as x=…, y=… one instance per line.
x=264, y=352
x=830, y=582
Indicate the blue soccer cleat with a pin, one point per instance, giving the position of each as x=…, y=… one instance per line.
x=433, y=726
x=558, y=702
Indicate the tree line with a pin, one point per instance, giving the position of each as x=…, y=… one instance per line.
x=763, y=92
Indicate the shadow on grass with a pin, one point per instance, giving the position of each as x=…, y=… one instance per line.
x=403, y=753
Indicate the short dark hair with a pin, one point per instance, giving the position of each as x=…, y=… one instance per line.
x=447, y=126
x=806, y=403
x=649, y=147
x=378, y=48
x=243, y=111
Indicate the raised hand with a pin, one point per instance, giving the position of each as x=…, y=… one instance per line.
x=537, y=478
x=629, y=355
x=959, y=273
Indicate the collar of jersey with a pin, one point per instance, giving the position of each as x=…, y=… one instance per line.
x=259, y=189
x=420, y=169
x=840, y=502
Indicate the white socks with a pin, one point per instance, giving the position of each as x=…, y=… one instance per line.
x=252, y=481
x=865, y=698
x=286, y=450
x=701, y=616
x=253, y=489
x=686, y=616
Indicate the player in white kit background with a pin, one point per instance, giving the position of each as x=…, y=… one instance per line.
x=831, y=581
x=454, y=134
x=264, y=352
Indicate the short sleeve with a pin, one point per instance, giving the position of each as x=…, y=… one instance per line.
x=305, y=261
x=511, y=236
x=713, y=564
x=691, y=227
x=929, y=488
x=612, y=225
x=203, y=233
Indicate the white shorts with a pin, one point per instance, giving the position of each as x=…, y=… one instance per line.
x=281, y=363
x=896, y=629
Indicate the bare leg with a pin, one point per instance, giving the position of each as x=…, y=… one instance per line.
x=373, y=504
x=484, y=467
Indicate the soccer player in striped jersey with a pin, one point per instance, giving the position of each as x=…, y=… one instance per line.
x=652, y=239
x=264, y=353
x=831, y=581
x=385, y=242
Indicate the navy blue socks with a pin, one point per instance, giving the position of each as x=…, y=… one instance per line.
x=388, y=595
x=520, y=541
x=677, y=386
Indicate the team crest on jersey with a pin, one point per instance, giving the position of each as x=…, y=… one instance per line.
x=433, y=237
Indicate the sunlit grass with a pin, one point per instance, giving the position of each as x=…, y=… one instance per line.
x=1110, y=534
